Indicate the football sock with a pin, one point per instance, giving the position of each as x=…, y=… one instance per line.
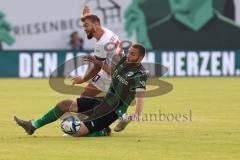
x=49, y=117
x=98, y=133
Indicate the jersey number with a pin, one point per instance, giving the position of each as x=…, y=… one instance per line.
x=96, y=78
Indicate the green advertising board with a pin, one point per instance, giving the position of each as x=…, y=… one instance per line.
x=39, y=64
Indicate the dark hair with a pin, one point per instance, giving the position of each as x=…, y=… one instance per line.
x=141, y=49
x=91, y=17
x=73, y=33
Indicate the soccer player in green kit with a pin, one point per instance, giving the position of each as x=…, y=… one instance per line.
x=128, y=81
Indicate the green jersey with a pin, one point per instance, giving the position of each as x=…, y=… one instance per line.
x=127, y=77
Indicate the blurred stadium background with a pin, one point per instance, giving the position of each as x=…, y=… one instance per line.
x=203, y=62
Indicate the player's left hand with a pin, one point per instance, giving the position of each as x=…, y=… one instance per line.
x=77, y=80
x=86, y=9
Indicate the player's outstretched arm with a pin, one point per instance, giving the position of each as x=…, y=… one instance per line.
x=86, y=9
x=97, y=65
x=110, y=68
x=107, y=68
x=139, y=104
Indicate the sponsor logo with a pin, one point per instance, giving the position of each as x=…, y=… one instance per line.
x=122, y=80
x=129, y=74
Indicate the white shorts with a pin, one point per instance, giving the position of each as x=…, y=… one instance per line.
x=101, y=81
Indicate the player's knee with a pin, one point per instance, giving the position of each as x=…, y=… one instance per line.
x=73, y=107
x=65, y=105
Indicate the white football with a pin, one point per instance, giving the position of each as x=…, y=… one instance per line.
x=70, y=125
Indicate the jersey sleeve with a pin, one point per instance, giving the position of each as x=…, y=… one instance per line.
x=140, y=81
x=100, y=53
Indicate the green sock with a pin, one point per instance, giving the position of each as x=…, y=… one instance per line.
x=98, y=133
x=49, y=117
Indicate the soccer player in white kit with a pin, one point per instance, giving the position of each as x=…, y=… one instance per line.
x=99, y=78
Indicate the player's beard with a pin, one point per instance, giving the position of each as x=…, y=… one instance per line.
x=90, y=34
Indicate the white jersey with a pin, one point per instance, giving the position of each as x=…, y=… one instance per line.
x=107, y=49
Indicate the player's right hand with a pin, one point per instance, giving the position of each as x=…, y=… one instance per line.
x=77, y=80
x=86, y=9
x=135, y=117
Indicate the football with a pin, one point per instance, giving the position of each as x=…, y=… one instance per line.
x=70, y=124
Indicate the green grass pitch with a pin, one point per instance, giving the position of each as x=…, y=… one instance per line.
x=213, y=133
